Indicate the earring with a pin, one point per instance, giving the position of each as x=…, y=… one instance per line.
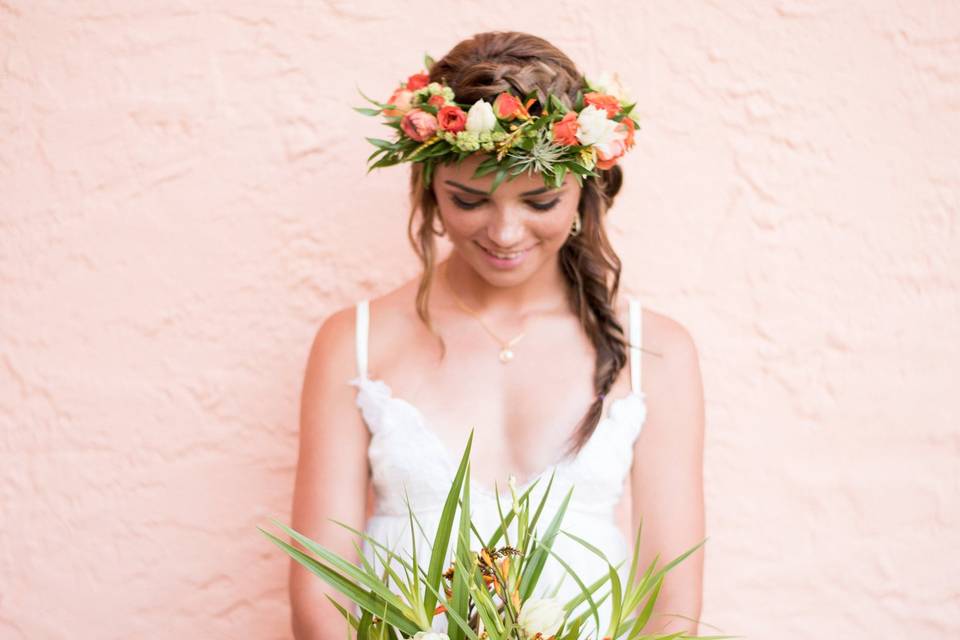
x=577, y=225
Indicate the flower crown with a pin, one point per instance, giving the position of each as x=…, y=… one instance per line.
x=432, y=127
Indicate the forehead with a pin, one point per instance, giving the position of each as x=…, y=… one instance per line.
x=462, y=173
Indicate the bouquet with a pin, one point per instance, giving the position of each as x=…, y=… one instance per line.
x=486, y=591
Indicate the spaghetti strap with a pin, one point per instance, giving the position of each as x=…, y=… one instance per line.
x=362, y=333
x=636, y=331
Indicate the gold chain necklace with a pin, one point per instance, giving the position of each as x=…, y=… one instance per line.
x=506, y=351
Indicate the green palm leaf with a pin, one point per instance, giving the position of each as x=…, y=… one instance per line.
x=441, y=540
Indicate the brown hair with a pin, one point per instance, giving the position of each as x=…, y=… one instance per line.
x=481, y=67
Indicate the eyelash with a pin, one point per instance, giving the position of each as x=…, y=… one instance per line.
x=473, y=205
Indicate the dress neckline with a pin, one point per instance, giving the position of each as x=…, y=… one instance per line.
x=451, y=462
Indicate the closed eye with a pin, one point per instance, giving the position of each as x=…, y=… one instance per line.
x=545, y=206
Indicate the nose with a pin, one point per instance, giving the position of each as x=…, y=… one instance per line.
x=506, y=227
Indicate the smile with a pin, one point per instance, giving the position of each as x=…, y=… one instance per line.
x=504, y=256
x=505, y=260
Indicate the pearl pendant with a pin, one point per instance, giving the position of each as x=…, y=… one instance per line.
x=506, y=355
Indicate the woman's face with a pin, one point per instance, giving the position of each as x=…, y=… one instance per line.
x=523, y=220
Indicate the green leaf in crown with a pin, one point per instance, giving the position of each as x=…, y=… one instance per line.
x=431, y=127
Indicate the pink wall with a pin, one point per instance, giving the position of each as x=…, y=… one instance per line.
x=179, y=181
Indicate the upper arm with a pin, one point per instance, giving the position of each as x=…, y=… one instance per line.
x=332, y=469
x=667, y=474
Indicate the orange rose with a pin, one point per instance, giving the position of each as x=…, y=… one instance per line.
x=401, y=100
x=603, y=101
x=565, y=131
x=507, y=107
x=452, y=118
x=437, y=101
x=418, y=81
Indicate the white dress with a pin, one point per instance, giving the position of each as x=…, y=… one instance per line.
x=405, y=453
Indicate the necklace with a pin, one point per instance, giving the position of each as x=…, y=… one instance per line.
x=506, y=351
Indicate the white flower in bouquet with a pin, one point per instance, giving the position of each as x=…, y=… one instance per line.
x=430, y=635
x=541, y=615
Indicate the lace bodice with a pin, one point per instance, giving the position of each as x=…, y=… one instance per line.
x=409, y=461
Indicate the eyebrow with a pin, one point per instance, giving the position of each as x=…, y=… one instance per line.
x=480, y=192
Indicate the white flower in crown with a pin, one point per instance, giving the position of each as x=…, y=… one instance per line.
x=610, y=84
x=480, y=117
x=594, y=127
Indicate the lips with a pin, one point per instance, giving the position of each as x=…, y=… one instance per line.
x=503, y=255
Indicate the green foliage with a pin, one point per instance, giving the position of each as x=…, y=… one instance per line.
x=525, y=145
x=461, y=588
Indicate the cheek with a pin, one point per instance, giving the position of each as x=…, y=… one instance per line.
x=558, y=223
x=549, y=227
x=463, y=224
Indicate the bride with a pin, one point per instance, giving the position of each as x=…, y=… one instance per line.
x=521, y=335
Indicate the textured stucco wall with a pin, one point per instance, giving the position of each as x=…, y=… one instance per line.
x=183, y=199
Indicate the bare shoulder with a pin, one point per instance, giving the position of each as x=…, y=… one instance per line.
x=333, y=353
x=336, y=336
x=327, y=402
x=672, y=380
x=671, y=343
x=665, y=341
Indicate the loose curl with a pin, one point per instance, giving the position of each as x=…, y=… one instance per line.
x=481, y=67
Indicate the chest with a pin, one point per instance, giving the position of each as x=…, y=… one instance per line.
x=411, y=465
x=524, y=414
